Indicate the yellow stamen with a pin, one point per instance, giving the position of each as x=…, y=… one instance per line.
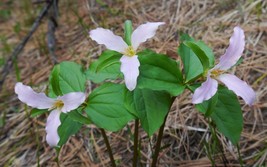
x=130, y=51
x=57, y=105
x=215, y=73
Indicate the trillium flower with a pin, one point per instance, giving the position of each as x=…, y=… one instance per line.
x=229, y=59
x=129, y=61
x=63, y=104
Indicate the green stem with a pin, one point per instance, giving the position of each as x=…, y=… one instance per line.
x=57, y=158
x=135, y=156
x=217, y=145
x=108, y=147
x=157, y=149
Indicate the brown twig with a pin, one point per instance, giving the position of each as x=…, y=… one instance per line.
x=52, y=25
x=20, y=46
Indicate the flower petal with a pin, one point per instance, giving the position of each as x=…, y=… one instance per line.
x=52, y=124
x=109, y=39
x=241, y=88
x=144, y=32
x=234, y=51
x=32, y=98
x=205, y=91
x=129, y=68
x=72, y=100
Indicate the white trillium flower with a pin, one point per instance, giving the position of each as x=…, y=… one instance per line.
x=65, y=103
x=229, y=59
x=129, y=61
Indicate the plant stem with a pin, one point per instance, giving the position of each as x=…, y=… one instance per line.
x=135, y=156
x=157, y=149
x=57, y=158
x=108, y=147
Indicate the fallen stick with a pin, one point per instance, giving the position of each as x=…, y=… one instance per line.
x=19, y=48
x=52, y=25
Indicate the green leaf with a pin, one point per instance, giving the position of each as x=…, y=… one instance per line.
x=67, y=77
x=196, y=56
x=192, y=65
x=185, y=37
x=151, y=107
x=54, y=81
x=159, y=72
x=208, y=51
x=106, y=107
x=227, y=114
x=199, y=53
x=208, y=106
x=76, y=115
x=67, y=128
x=106, y=67
x=35, y=112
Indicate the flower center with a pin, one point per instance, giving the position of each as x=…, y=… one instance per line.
x=130, y=51
x=216, y=72
x=57, y=105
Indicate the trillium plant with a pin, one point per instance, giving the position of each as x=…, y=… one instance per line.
x=60, y=104
x=129, y=61
x=141, y=85
x=229, y=59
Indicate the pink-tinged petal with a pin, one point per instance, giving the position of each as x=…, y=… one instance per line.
x=234, y=51
x=109, y=39
x=130, y=70
x=32, y=98
x=205, y=91
x=72, y=100
x=238, y=86
x=52, y=124
x=144, y=32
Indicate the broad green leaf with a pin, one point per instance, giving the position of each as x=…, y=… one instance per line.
x=35, y=112
x=192, y=65
x=67, y=77
x=196, y=56
x=67, y=128
x=106, y=107
x=207, y=107
x=199, y=53
x=54, y=82
x=226, y=114
x=151, y=107
x=77, y=116
x=159, y=72
x=185, y=37
x=208, y=51
x=106, y=67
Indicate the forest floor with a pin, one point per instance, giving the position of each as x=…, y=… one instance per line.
x=22, y=138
